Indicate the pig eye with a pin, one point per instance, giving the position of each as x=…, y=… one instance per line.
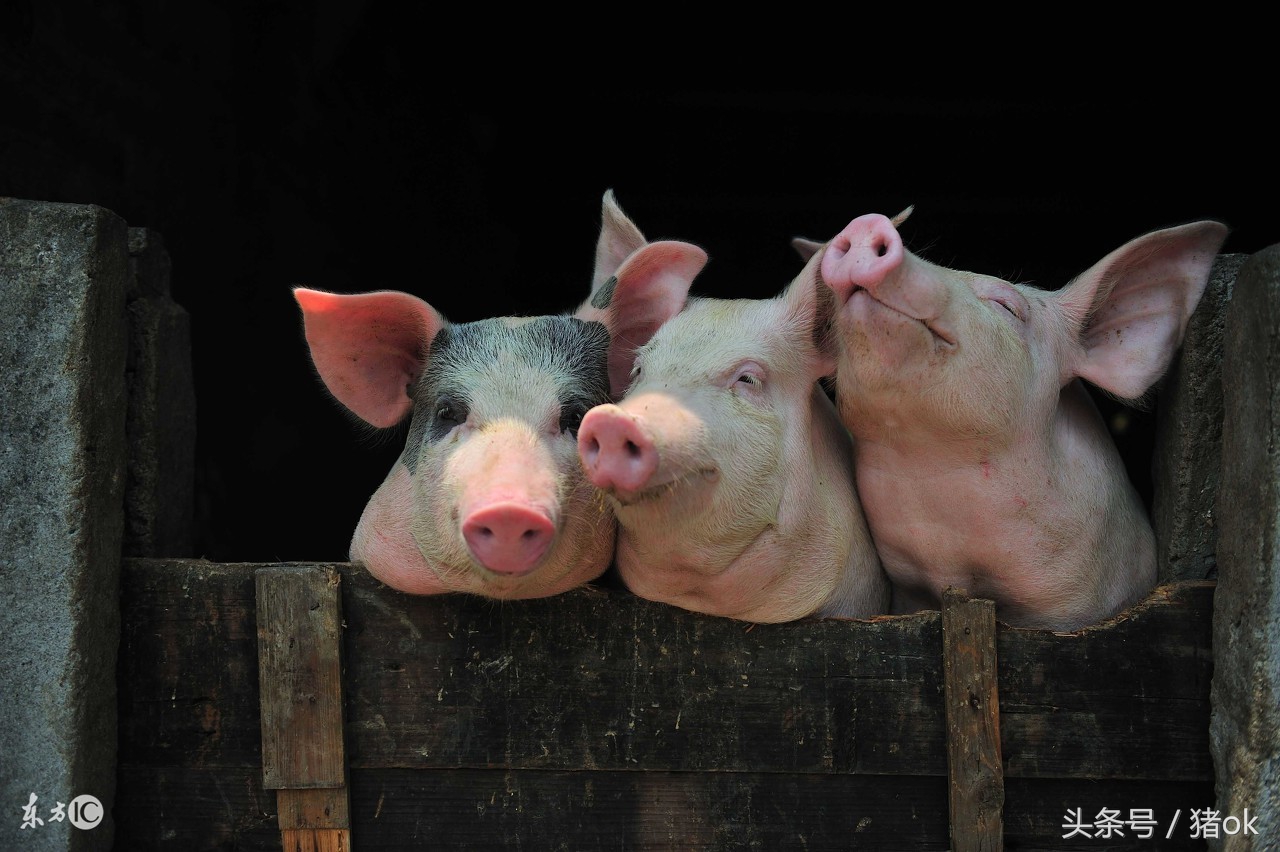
x=450, y=412
x=748, y=375
x=1009, y=305
x=571, y=414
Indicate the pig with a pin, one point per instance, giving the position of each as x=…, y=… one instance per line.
x=981, y=459
x=728, y=468
x=488, y=496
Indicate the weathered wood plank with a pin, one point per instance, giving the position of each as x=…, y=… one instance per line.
x=320, y=807
x=570, y=682
x=975, y=770
x=606, y=680
x=300, y=677
x=190, y=772
x=1037, y=809
x=488, y=810
x=470, y=810
x=187, y=680
x=316, y=840
x=1128, y=699
x=163, y=808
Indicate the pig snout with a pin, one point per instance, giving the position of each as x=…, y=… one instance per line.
x=862, y=255
x=616, y=452
x=508, y=538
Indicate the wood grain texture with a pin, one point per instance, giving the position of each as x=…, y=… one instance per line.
x=316, y=840
x=300, y=677
x=318, y=807
x=160, y=809
x=1128, y=698
x=974, y=767
x=598, y=686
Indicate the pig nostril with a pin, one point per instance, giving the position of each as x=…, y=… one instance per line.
x=633, y=449
x=882, y=250
x=508, y=539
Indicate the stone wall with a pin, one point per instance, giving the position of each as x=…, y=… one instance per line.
x=98, y=413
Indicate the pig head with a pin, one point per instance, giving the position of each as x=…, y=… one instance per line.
x=488, y=496
x=728, y=468
x=981, y=459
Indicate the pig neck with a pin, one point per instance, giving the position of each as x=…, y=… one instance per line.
x=752, y=576
x=1044, y=522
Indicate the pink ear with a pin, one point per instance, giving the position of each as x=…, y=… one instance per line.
x=1132, y=307
x=650, y=288
x=369, y=348
x=813, y=305
x=619, y=238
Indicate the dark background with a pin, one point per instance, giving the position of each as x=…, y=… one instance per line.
x=358, y=146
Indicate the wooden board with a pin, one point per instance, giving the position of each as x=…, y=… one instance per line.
x=595, y=691
x=972, y=705
x=166, y=808
x=300, y=677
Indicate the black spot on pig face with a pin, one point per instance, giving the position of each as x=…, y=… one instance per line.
x=545, y=370
x=449, y=411
x=571, y=413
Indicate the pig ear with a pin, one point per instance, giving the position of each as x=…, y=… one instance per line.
x=619, y=239
x=369, y=348
x=812, y=306
x=650, y=288
x=806, y=247
x=902, y=217
x=1130, y=309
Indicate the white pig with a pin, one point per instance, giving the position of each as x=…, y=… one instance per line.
x=982, y=461
x=728, y=467
x=488, y=496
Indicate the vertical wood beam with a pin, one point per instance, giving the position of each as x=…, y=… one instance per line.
x=974, y=766
x=300, y=682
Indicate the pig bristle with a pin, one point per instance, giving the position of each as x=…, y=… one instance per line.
x=367, y=434
x=1141, y=403
x=376, y=438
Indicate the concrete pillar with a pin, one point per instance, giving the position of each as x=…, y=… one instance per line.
x=161, y=424
x=64, y=272
x=1244, y=729
x=1188, y=450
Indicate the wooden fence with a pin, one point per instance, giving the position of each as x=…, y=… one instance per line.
x=596, y=720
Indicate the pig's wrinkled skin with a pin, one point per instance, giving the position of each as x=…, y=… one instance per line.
x=728, y=467
x=488, y=496
x=981, y=460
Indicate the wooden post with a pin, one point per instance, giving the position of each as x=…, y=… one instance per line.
x=974, y=767
x=300, y=682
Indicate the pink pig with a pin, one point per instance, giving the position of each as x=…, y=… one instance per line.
x=728, y=467
x=982, y=462
x=488, y=496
